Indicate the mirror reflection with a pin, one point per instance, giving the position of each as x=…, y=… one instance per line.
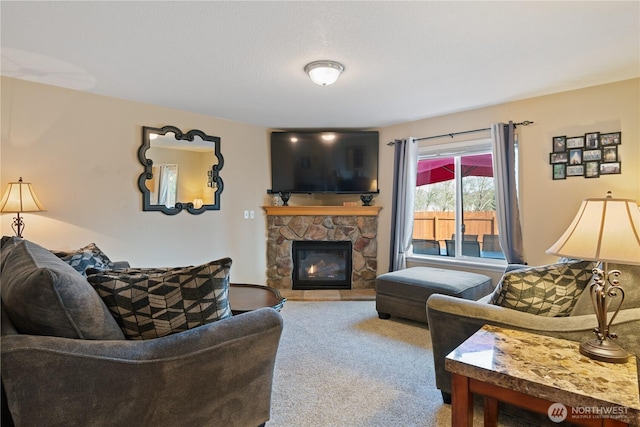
x=165, y=188
x=181, y=170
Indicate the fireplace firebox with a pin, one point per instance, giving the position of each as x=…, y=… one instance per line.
x=321, y=265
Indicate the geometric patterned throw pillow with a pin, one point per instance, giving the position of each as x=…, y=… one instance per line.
x=550, y=290
x=153, y=302
x=88, y=257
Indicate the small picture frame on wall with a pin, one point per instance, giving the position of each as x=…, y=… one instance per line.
x=592, y=140
x=559, y=144
x=613, y=138
x=610, y=153
x=575, y=156
x=591, y=155
x=591, y=169
x=559, y=157
x=575, y=142
x=610, y=168
x=559, y=171
x=575, y=170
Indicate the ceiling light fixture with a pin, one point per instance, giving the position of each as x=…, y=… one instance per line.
x=324, y=73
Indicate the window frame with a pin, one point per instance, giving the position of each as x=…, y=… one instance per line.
x=457, y=150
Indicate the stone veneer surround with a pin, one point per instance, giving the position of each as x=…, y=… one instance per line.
x=322, y=223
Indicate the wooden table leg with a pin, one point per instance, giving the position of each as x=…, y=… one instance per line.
x=490, y=412
x=461, y=402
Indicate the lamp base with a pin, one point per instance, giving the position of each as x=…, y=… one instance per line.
x=604, y=351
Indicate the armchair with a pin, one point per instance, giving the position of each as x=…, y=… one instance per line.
x=453, y=320
x=66, y=362
x=216, y=374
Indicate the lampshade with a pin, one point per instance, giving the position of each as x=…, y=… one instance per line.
x=20, y=197
x=324, y=73
x=606, y=230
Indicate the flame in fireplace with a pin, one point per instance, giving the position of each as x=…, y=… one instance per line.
x=312, y=270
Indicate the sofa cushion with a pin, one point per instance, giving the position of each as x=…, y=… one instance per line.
x=43, y=295
x=550, y=290
x=154, y=302
x=91, y=256
x=419, y=283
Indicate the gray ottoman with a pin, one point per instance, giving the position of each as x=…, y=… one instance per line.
x=404, y=293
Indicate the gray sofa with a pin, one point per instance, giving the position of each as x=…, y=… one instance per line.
x=75, y=368
x=453, y=320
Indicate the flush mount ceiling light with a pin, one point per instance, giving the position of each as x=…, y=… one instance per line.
x=324, y=73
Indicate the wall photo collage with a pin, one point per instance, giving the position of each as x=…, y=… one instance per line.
x=589, y=156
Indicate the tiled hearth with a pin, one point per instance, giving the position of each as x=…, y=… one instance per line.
x=330, y=295
x=286, y=224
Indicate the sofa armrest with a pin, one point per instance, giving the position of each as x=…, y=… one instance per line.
x=220, y=373
x=453, y=320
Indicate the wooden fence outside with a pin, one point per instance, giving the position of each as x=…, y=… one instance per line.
x=441, y=225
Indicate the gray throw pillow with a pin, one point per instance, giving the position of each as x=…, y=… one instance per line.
x=91, y=256
x=42, y=295
x=154, y=302
x=550, y=290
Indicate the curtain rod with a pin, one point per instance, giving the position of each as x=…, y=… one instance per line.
x=452, y=134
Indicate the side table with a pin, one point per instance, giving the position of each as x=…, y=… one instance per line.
x=542, y=374
x=245, y=297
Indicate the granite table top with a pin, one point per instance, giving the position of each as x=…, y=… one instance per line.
x=548, y=368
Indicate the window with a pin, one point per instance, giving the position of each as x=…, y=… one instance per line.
x=454, y=209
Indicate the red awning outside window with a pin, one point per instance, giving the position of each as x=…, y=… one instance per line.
x=431, y=171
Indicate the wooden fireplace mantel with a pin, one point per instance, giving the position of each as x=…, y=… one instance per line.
x=322, y=210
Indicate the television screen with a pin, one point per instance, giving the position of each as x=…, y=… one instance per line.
x=324, y=162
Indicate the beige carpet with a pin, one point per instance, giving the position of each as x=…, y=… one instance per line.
x=338, y=365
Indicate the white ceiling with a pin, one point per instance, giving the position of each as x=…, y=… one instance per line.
x=244, y=61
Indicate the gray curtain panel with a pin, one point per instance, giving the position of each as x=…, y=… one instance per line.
x=404, y=182
x=504, y=173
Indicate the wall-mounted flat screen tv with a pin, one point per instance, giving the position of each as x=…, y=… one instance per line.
x=324, y=162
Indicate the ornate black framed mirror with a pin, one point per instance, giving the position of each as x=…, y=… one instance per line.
x=181, y=170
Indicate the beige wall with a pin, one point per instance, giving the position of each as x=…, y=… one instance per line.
x=547, y=206
x=80, y=153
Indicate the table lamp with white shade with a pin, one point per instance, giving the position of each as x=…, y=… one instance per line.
x=19, y=197
x=604, y=230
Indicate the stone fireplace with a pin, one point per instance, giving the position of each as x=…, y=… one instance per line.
x=288, y=224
